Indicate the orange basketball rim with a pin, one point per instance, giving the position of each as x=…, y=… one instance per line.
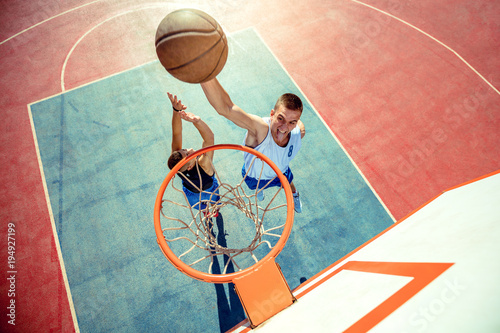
x=230, y=277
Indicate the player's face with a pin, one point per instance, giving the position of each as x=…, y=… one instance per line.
x=283, y=121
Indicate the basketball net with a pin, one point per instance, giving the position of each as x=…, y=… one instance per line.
x=250, y=228
x=201, y=226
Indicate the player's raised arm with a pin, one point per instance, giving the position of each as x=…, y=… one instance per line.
x=222, y=103
x=176, y=122
x=205, y=132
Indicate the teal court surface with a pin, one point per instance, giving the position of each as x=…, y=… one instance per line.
x=103, y=149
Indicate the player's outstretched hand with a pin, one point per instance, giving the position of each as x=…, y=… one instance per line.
x=176, y=104
x=190, y=117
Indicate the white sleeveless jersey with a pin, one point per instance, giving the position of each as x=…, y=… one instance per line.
x=281, y=156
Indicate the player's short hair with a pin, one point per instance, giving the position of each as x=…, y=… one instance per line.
x=289, y=101
x=174, y=158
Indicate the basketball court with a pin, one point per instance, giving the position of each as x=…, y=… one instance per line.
x=400, y=106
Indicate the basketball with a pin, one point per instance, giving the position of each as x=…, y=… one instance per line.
x=191, y=45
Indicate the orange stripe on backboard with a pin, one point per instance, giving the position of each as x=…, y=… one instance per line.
x=310, y=280
x=474, y=180
x=421, y=279
x=422, y=273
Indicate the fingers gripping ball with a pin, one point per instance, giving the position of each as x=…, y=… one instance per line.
x=191, y=45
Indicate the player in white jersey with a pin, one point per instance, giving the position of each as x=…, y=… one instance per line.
x=278, y=137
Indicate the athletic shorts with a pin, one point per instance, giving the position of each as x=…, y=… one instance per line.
x=252, y=182
x=207, y=196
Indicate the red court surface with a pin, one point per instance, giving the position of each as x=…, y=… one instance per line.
x=410, y=89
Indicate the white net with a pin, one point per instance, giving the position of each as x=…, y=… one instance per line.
x=234, y=223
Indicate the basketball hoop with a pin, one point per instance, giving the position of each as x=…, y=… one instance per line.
x=177, y=222
x=186, y=235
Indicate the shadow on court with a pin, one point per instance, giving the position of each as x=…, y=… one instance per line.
x=229, y=308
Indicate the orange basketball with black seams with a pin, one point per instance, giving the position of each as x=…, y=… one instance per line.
x=191, y=45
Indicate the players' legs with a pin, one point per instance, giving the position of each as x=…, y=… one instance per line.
x=296, y=199
x=209, y=196
x=252, y=183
